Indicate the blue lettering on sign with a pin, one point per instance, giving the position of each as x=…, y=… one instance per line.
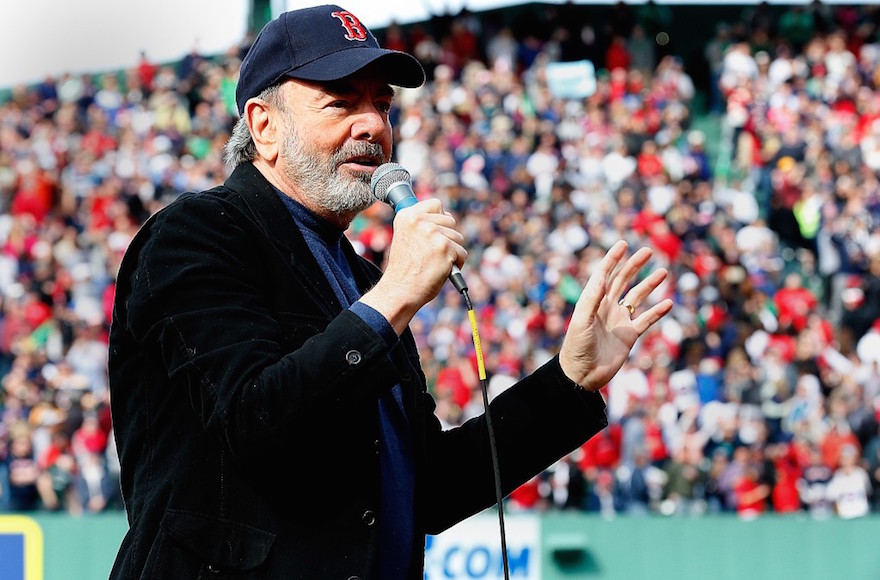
x=477, y=563
x=518, y=563
x=447, y=571
x=480, y=562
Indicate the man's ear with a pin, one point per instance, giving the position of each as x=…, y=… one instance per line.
x=263, y=121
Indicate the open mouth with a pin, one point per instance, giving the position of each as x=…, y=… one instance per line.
x=368, y=161
x=366, y=164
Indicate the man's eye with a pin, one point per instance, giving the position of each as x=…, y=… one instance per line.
x=384, y=107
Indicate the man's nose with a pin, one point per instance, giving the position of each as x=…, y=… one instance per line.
x=370, y=124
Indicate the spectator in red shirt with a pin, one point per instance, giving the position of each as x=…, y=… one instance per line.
x=617, y=55
x=784, y=497
x=35, y=192
x=465, y=45
x=89, y=437
x=751, y=494
x=648, y=162
x=603, y=450
x=794, y=303
x=146, y=72
x=527, y=496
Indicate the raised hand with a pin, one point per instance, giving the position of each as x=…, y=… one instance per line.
x=606, y=322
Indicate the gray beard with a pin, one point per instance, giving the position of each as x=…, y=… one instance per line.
x=337, y=192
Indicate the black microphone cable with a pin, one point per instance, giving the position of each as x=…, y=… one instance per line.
x=392, y=184
x=484, y=387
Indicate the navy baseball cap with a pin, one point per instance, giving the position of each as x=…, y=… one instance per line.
x=321, y=43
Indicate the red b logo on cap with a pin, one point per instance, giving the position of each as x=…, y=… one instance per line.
x=354, y=30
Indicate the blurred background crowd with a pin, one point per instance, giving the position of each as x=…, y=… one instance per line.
x=754, y=179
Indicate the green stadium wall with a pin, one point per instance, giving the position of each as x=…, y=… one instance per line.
x=556, y=546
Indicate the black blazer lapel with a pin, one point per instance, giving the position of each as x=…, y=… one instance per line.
x=269, y=211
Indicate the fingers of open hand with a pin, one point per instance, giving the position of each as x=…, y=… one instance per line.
x=628, y=300
x=636, y=296
x=597, y=285
x=624, y=275
x=611, y=259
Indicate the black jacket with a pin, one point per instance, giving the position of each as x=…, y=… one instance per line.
x=244, y=405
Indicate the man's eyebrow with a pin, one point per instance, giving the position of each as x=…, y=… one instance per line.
x=345, y=87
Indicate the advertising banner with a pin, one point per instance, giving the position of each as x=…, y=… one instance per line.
x=472, y=549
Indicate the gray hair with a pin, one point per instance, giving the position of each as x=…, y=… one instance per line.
x=240, y=147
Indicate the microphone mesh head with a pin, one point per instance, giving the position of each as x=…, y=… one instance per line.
x=385, y=176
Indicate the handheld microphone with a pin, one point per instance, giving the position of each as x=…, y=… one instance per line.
x=392, y=184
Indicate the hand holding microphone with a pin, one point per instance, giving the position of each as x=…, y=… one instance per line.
x=425, y=243
x=392, y=184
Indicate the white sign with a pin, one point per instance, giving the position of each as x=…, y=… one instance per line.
x=571, y=80
x=472, y=549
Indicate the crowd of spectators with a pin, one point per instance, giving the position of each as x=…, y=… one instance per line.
x=760, y=392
